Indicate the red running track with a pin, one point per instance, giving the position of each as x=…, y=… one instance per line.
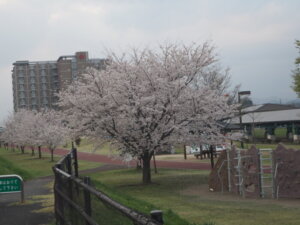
x=108, y=160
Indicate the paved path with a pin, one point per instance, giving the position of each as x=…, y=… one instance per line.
x=108, y=160
x=14, y=213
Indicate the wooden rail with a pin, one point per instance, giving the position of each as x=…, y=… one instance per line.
x=68, y=186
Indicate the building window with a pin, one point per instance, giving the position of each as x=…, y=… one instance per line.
x=22, y=102
x=22, y=94
x=33, y=101
x=21, y=80
x=43, y=73
x=20, y=74
x=21, y=87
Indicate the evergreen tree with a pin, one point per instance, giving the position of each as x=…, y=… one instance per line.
x=296, y=71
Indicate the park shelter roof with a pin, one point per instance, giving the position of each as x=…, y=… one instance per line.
x=267, y=107
x=288, y=115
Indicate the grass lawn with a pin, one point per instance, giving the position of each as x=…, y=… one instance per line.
x=180, y=158
x=266, y=145
x=89, y=146
x=186, y=193
x=31, y=166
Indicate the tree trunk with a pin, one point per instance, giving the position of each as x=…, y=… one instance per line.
x=201, y=151
x=211, y=149
x=184, y=151
x=40, y=152
x=52, y=151
x=32, y=151
x=154, y=161
x=22, y=149
x=146, y=168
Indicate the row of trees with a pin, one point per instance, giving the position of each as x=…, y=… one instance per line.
x=35, y=129
x=143, y=101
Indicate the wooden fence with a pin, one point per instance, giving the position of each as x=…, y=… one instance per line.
x=258, y=173
x=78, y=203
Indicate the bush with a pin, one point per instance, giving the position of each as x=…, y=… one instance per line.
x=280, y=132
x=259, y=132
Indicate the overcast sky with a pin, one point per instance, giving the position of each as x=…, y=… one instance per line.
x=255, y=39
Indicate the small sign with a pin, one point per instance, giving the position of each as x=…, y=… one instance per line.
x=11, y=183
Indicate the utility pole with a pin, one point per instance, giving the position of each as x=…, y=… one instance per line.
x=240, y=110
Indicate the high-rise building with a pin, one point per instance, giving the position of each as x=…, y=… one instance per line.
x=35, y=84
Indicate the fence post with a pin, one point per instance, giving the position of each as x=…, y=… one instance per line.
x=87, y=199
x=260, y=173
x=69, y=164
x=157, y=215
x=74, y=153
x=60, y=202
x=55, y=195
x=70, y=184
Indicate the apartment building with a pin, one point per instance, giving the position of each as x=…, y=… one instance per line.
x=35, y=84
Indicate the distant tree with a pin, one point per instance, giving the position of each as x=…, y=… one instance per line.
x=296, y=71
x=148, y=99
x=53, y=131
x=246, y=102
x=8, y=135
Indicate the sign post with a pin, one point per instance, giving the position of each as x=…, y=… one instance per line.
x=12, y=184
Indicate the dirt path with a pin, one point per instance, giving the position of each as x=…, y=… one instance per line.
x=160, y=163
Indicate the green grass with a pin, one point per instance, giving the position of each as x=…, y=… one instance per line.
x=117, y=187
x=89, y=146
x=6, y=167
x=185, y=192
x=31, y=166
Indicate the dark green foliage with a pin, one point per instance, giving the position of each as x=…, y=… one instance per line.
x=259, y=132
x=296, y=71
x=246, y=102
x=280, y=132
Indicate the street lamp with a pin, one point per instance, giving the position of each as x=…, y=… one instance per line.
x=240, y=93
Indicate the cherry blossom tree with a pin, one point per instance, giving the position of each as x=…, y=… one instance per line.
x=7, y=136
x=32, y=130
x=53, y=132
x=147, y=99
x=14, y=130
x=27, y=132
